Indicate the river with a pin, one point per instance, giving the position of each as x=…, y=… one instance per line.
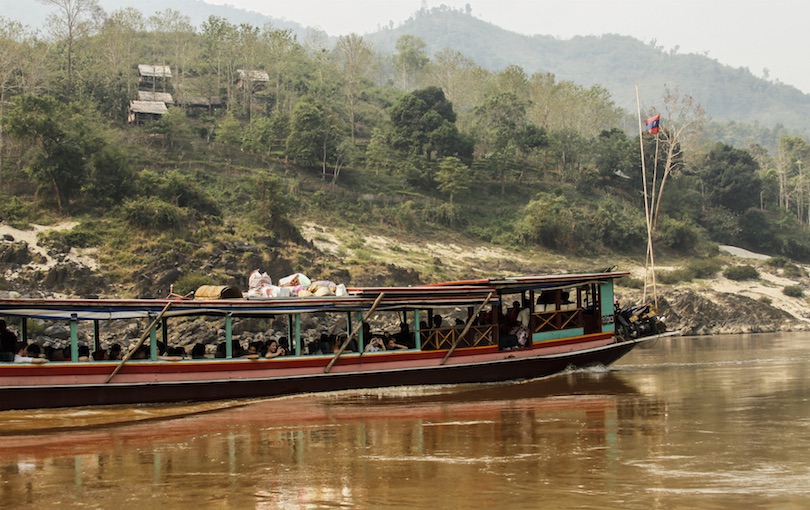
x=691, y=422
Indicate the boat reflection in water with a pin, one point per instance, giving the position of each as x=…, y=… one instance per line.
x=385, y=447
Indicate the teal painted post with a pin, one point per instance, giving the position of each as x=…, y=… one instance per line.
x=297, y=331
x=361, y=341
x=606, y=296
x=418, y=335
x=74, y=337
x=153, y=350
x=229, y=335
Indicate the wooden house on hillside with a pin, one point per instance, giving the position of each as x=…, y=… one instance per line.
x=141, y=112
x=252, y=79
x=154, y=77
x=163, y=97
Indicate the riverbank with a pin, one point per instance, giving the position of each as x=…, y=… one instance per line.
x=716, y=305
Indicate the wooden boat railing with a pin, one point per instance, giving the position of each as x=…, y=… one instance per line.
x=445, y=338
x=556, y=320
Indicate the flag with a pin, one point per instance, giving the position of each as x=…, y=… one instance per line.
x=652, y=123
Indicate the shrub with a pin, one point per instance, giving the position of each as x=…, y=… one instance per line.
x=793, y=271
x=190, y=282
x=679, y=235
x=682, y=274
x=152, y=212
x=793, y=291
x=740, y=273
x=765, y=300
x=704, y=268
x=778, y=261
x=630, y=282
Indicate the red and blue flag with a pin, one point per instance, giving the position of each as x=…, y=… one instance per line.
x=652, y=123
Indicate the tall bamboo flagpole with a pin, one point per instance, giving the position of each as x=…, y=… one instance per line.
x=649, y=263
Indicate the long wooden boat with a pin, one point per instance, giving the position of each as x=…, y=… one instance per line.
x=569, y=322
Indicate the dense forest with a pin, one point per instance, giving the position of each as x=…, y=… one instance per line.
x=262, y=131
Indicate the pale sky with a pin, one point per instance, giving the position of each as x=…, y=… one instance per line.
x=756, y=34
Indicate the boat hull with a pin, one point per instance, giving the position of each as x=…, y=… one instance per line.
x=72, y=385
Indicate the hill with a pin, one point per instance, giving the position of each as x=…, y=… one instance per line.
x=615, y=62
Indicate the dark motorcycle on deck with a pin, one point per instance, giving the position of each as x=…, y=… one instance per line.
x=638, y=321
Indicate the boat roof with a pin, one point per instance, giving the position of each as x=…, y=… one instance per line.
x=537, y=282
x=358, y=300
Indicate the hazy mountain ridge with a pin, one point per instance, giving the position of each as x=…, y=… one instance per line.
x=616, y=62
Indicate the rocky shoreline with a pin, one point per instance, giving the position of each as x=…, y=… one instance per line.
x=707, y=307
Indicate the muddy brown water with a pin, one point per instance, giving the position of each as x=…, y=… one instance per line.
x=700, y=422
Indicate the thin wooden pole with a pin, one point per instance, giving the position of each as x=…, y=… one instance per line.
x=466, y=328
x=139, y=343
x=354, y=332
x=646, y=196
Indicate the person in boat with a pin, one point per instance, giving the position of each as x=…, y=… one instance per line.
x=437, y=321
x=99, y=355
x=376, y=345
x=273, y=350
x=8, y=342
x=284, y=345
x=198, y=351
x=252, y=352
x=404, y=335
x=84, y=353
x=29, y=354
x=114, y=352
x=392, y=345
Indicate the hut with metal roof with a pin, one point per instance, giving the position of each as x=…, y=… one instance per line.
x=145, y=111
x=253, y=78
x=163, y=97
x=154, y=77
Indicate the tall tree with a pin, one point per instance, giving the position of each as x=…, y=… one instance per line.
x=354, y=59
x=731, y=179
x=504, y=134
x=410, y=61
x=12, y=51
x=424, y=123
x=75, y=20
x=681, y=130
x=63, y=140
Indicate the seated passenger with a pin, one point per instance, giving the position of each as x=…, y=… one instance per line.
x=28, y=354
x=142, y=352
x=375, y=345
x=404, y=336
x=273, y=350
x=392, y=345
x=84, y=353
x=176, y=353
x=115, y=351
x=99, y=355
x=198, y=351
x=437, y=321
x=284, y=345
x=252, y=352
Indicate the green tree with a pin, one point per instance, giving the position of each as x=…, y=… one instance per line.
x=505, y=136
x=355, y=59
x=424, y=123
x=74, y=21
x=453, y=176
x=63, y=139
x=410, y=61
x=314, y=135
x=731, y=178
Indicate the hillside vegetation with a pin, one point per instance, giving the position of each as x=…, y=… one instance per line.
x=339, y=161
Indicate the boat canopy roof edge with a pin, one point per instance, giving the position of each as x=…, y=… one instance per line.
x=540, y=282
x=394, y=299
